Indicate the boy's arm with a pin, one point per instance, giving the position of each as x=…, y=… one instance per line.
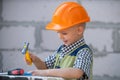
x=63, y=72
x=39, y=64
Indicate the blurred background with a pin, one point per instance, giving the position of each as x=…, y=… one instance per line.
x=25, y=20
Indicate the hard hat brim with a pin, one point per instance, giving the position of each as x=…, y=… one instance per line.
x=55, y=27
x=58, y=27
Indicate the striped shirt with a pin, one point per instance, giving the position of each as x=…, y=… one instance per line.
x=83, y=60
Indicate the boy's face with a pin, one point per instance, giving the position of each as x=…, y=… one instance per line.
x=71, y=35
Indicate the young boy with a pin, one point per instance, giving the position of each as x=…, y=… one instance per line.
x=73, y=59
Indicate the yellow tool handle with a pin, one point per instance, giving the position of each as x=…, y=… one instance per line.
x=27, y=56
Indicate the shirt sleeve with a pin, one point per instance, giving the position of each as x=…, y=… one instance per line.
x=50, y=60
x=84, y=60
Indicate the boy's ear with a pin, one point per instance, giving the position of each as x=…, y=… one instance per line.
x=80, y=30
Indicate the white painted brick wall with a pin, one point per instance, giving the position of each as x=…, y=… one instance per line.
x=13, y=37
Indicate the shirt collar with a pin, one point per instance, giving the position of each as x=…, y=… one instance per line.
x=67, y=49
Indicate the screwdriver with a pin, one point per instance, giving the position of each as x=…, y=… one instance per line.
x=17, y=71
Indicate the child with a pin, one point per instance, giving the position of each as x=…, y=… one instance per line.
x=73, y=59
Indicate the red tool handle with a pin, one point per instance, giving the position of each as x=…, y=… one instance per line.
x=16, y=72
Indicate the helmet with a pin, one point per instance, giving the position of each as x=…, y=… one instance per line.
x=67, y=15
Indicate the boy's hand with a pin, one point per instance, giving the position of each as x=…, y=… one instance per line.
x=39, y=72
x=32, y=58
x=36, y=61
x=28, y=58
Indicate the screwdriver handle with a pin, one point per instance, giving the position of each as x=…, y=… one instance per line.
x=16, y=72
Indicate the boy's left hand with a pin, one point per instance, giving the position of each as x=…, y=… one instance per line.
x=38, y=72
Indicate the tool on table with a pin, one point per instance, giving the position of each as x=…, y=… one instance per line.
x=26, y=52
x=27, y=74
x=17, y=71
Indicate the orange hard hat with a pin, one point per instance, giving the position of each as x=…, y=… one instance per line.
x=67, y=15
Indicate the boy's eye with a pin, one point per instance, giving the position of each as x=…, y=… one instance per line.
x=64, y=33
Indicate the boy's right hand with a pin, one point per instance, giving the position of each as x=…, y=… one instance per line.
x=28, y=58
x=33, y=58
